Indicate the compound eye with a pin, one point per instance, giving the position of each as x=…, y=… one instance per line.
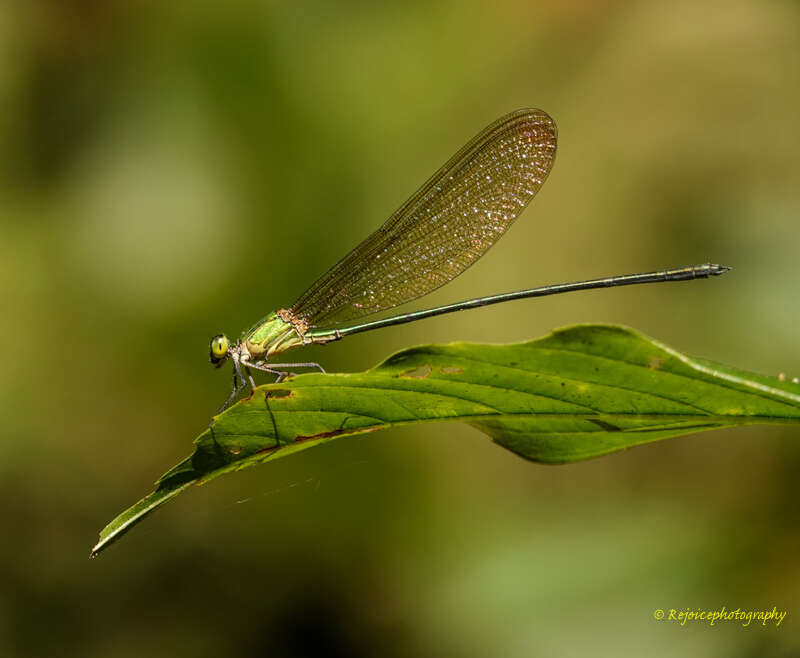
x=219, y=347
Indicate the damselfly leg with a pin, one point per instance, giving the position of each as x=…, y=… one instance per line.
x=262, y=366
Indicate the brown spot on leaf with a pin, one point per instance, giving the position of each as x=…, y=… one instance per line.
x=655, y=362
x=332, y=433
x=280, y=393
x=321, y=435
x=451, y=370
x=420, y=372
x=235, y=450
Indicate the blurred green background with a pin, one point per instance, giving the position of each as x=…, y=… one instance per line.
x=174, y=170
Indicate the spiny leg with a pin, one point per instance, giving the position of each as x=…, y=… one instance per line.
x=309, y=364
x=271, y=368
x=264, y=368
x=232, y=396
x=238, y=385
x=250, y=378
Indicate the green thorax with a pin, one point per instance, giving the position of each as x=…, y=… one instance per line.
x=272, y=335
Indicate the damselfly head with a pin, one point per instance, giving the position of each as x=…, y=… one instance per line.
x=219, y=350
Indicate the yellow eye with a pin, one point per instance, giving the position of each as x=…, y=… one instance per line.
x=219, y=348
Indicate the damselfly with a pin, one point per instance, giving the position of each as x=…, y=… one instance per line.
x=445, y=227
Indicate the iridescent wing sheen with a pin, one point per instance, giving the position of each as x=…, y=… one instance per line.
x=445, y=227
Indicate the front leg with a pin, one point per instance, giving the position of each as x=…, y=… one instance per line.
x=234, y=392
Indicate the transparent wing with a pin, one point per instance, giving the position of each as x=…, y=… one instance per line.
x=445, y=227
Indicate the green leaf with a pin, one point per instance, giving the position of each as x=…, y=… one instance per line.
x=580, y=392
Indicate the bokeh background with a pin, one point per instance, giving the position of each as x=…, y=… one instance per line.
x=172, y=170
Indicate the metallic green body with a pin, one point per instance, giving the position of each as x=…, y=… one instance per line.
x=272, y=335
